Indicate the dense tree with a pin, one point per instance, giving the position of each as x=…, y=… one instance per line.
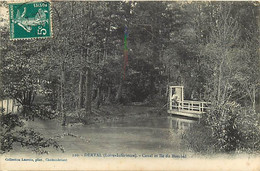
x=208, y=47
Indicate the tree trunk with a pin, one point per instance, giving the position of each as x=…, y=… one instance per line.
x=88, y=85
x=62, y=94
x=2, y=101
x=119, y=92
x=98, y=98
x=80, y=100
x=254, y=98
x=219, y=85
x=108, y=95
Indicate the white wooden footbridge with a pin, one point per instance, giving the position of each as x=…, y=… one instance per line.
x=189, y=108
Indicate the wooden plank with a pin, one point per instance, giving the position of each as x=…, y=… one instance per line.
x=188, y=114
x=188, y=111
x=4, y=106
x=13, y=102
x=182, y=97
x=7, y=106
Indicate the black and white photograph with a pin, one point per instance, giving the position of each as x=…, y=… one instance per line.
x=164, y=85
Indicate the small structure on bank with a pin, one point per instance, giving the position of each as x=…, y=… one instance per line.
x=178, y=106
x=8, y=106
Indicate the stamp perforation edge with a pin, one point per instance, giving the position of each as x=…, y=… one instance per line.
x=30, y=2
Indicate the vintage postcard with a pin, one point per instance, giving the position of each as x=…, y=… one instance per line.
x=129, y=85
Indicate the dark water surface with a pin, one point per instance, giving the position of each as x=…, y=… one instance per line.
x=146, y=135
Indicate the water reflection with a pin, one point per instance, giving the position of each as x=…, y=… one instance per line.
x=180, y=124
x=157, y=134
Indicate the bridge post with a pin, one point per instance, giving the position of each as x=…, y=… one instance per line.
x=170, y=97
x=7, y=106
x=182, y=96
x=13, y=103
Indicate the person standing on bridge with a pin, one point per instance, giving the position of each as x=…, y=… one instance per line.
x=174, y=99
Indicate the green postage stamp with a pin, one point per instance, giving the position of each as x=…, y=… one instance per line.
x=30, y=20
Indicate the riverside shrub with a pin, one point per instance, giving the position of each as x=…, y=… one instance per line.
x=12, y=132
x=233, y=127
x=226, y=128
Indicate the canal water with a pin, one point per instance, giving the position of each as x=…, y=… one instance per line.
x=150, y=135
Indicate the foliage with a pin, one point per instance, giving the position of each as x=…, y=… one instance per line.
x=198, y=139
x=12, y=133
x=234, y=127
x=232, y=80
x=10, y=121
x=199, y=45
x=44, y=112
x=226, y=128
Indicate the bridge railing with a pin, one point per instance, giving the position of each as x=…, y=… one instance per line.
x=189, y=105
